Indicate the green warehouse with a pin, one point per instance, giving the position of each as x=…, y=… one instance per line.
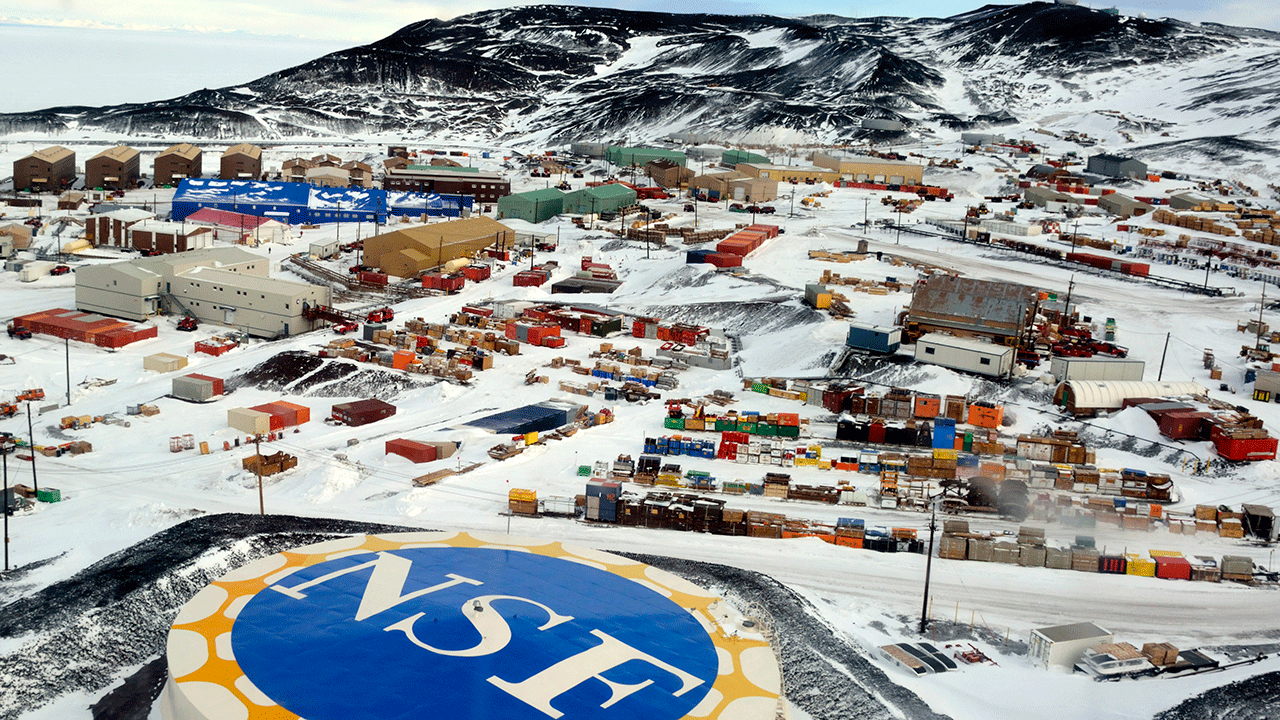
x=733, y=157
x=599, y=199
x=534, y=206
x=624, y=156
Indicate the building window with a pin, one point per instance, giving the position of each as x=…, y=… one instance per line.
x=929, y=351
x=984, y=361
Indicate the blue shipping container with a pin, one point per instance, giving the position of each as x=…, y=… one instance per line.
x=874, y=338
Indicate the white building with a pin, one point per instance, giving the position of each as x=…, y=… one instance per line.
x=1062, y=646
x=226, y=286
x=1095, y=368
x=964, y=354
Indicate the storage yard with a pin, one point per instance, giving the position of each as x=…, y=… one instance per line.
x=721, y=398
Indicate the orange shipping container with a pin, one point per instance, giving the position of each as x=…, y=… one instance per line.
x=987, y=417
x=401, y=359
x=928, y=406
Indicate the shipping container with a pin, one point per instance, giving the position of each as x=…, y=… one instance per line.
x=1095, y=368
x=247, y=420
x=964, y=354
x=362, y=412
x=163, y=362
x=874, y=338
x=197, y=388
x=411, y=450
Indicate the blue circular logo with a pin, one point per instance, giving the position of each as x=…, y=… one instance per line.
x=471, y=633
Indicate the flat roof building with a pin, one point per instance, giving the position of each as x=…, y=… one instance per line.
x=1117, y=166
x=52, y=168
x=789, y=173
x=241, y=162
x=865, y=168
x=640, y=155
x=1062, y=646
x=225, y=286
x=178, y=163
x=964, y=306
x=668, y=174
x=1123, y=205
x=486, y=187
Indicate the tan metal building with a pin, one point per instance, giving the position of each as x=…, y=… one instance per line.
x=181, y=161
x=112, y=228
x=227, y=286
x=295, y=169
x=242, y=162
x=865, y=168
x=50, y=168
x=361, y=174
x=406, y=253
x=789, y=173
x=735, y=185
x=668, y=174
x=116, y=168
x=328, y=176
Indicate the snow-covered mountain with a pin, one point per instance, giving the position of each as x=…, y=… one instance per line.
x=555, y=73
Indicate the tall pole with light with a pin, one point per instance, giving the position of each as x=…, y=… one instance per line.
x=928, y=562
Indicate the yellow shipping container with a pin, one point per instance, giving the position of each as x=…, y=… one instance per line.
x=1140, y=566
x=822, y=301
x=523, y=495
x=1165, y=553
x=945, y=454
x=824, y=464
x=816, y=450
x=531, y=438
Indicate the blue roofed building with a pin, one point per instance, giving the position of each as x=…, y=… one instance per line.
x=303, y=203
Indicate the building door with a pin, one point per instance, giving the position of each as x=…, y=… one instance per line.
x=739, y=192
x=229, y=316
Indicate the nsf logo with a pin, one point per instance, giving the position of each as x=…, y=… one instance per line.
x=464, y=632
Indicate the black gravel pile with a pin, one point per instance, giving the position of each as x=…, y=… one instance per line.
x=300, y=373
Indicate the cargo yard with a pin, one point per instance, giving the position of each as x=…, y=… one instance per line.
x=1060, y=416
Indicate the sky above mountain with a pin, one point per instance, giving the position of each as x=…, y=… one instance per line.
x=144, y=50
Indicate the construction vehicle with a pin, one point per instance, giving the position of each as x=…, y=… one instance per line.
x=381, y=315
x=32, y=394
x=7, y=409
x=18, y=332
x=188, y=323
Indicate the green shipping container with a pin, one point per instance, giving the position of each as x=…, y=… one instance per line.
x=760, y=388
x=49, y=495
x=723, y=425
x=767, y=429
x=584, y=471
x=673, y=423
x=791, y=431
x=749, y=427
x=968, y=442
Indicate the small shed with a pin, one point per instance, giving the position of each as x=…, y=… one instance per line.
x=1259, y=522
x=1062, y=646
x=163, y=362
x=324, y=249
x=362, y=412
x=248, y=420
x=965, y=354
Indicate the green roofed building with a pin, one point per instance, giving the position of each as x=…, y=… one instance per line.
x=598, y=199
x=641, y=156
x=534, y=206
x=733, y=157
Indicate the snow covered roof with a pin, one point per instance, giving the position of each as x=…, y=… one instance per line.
x=1074, y=631
x=247, y=192
x=128, y=214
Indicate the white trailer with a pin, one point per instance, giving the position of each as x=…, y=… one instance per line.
x=1095, y=368
x=964, y=354
x=35, y=270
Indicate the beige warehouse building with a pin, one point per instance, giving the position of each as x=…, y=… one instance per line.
x=223, y=286
x=735, y=185
x=789, y=173
x=407, y=253
x=864, y=168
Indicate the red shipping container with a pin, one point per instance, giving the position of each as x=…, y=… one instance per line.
x=1246, y=449
x=723, y=260
x=769, y=231
x=373, y=278
x=554, y=342
x=1182, y=425
x=789, y=419
x=637, y=328
x=476, y=273
x=1173, y=568
x=875, y=433
x=413, y=451
x=217, y=382
x=485, y=312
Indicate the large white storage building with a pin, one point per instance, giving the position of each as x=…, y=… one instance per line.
x=1094, y=368
x=964, y=354
x=223, y=285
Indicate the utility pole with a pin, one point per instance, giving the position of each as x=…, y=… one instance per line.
x=866, y=205
x=31, y=436
x=1257, y=344
x=899, y=240
x=1160, y=376
x=5, y=449
x=257, y=470
x=1066, y=307
x=928, y=563
x=67, y=343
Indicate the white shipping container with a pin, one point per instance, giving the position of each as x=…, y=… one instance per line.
x=35, y=270
x=964, y=354
x=1094, y=368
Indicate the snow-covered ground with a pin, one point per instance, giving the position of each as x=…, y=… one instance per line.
x=131, y=486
